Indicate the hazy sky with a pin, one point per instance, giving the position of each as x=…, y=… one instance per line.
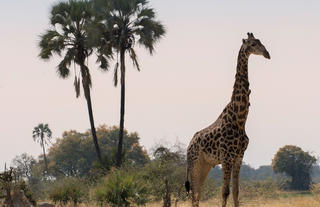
x=183, y=87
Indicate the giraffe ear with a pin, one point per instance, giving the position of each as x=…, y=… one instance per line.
x=243, y=41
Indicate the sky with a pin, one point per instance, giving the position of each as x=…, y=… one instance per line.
x=183, y=87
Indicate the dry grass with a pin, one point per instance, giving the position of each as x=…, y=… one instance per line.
x=299, y=201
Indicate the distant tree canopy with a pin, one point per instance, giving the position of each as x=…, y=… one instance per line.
x=23, y=164
x=295, y=163
x=74, y=155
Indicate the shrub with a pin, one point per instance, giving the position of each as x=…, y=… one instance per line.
x=315, y=190
x=211, y=188
x=68, y=190
x=119, y=189
x=250, y=190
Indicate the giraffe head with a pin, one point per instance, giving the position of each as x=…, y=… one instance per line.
x=254, y=46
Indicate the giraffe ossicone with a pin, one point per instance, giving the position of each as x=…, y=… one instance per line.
x=225, y=141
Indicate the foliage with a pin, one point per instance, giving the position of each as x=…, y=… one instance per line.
x=23, y=165
x=73, y=154
x=315, y=190
x=38, y=182
x=10, y=184
x=68, y=35
x=296, y=163
x=68, y=190
x=124, y=23
x=249, y=173
x=166, y=174
x=211, y=188
x=42, y=134
x=121, y=189
x=267, y=189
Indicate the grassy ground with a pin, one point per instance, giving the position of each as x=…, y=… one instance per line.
x=289, y=201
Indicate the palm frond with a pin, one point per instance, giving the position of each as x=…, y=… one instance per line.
x=42, y=134
x=134, y=58
x=147, y=13
x=63, y=67
x=149, y=31
x=104, y=63
x=51, y=42
x=77, y=85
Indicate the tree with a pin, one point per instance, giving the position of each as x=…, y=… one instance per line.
x=24, y=164
x=73, y=154
x=166, y=174
x=124, y=23
x=68, y=34
x=42, y=134
x=296, y=163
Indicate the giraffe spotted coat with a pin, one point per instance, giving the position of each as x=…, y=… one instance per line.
x=225, y=141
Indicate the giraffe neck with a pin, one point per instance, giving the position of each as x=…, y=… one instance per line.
x=241, y=91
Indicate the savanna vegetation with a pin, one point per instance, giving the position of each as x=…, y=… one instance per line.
x=156, y=178
x=107, y=165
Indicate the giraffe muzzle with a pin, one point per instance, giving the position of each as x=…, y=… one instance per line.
x=266, y=54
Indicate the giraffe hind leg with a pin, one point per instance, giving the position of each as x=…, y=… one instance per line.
x=198, y=175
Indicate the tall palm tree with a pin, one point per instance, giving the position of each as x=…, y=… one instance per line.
x=126, y=22
x=42, y=134
x=68, y=36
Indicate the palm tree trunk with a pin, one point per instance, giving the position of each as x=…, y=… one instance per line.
x=88, y=98
x=122, y=107
x=45, y=158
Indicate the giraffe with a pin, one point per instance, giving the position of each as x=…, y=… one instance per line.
x=225, y=141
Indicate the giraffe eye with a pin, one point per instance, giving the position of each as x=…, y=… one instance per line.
x=254, y=44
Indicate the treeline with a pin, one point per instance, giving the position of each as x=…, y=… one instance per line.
x=73, y=155
x=262, y=173
x=73, y=174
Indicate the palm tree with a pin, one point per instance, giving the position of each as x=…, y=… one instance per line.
x=42, y=134
x=68, y=35
x=126, y=22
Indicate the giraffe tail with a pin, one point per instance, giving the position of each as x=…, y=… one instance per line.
x=187, y=183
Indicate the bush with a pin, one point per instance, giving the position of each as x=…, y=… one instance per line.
x=315, y=190
x=211, y=189
x=250, y=190
x=68, y=190
x=119, y=189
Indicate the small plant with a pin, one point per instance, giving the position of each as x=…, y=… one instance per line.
x=315, y=190
x=119, y=189
x=67, y=190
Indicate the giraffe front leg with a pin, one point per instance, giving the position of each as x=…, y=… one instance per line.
x=226, y=176
x=235, y=182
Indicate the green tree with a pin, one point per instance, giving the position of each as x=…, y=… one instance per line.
x=42, y=134
x=125, y=22
x=166, y=174
x=68, y=35
x=73, y=154
x=295, y=163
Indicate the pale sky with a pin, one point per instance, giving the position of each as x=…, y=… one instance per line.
x=183, y=87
